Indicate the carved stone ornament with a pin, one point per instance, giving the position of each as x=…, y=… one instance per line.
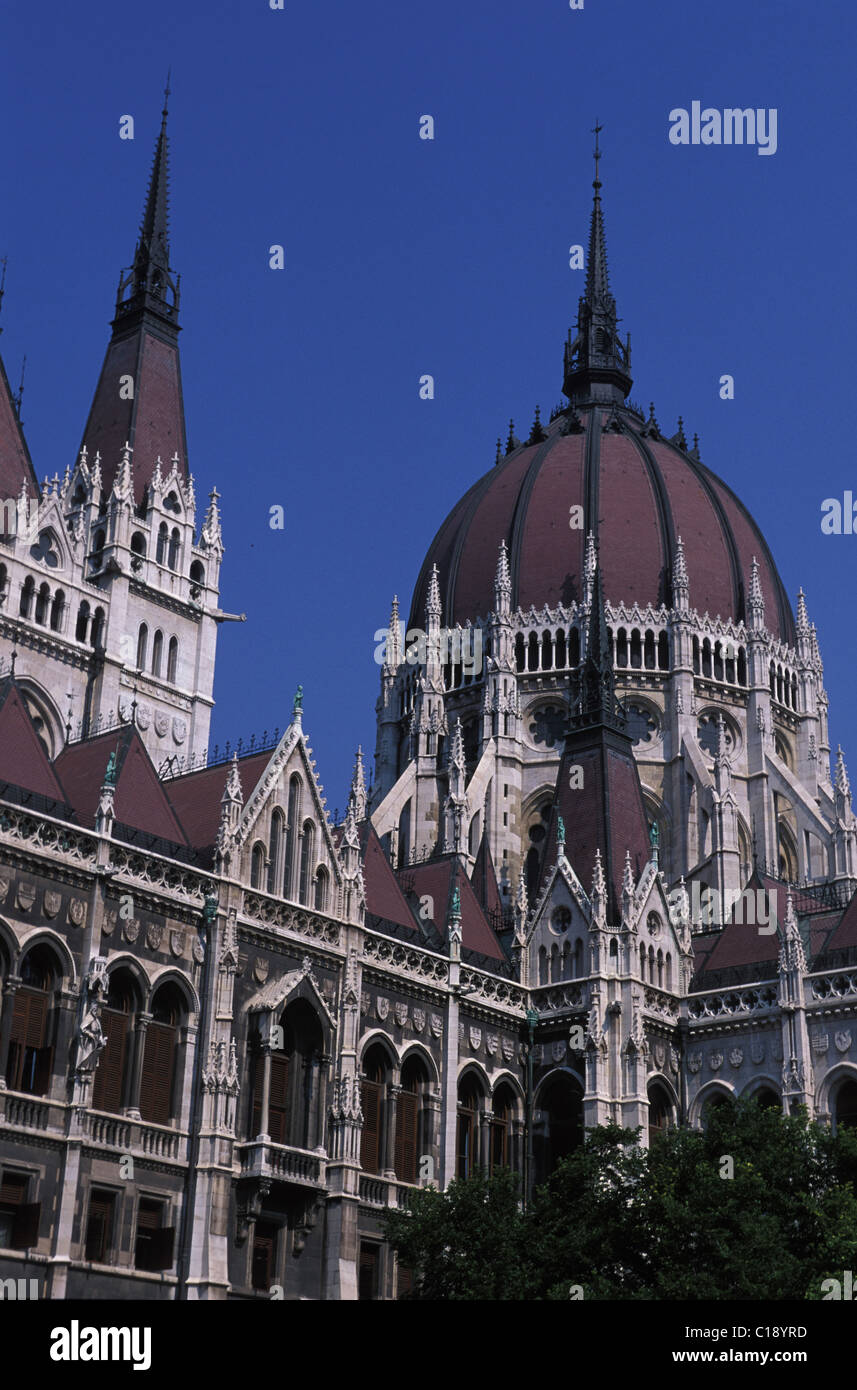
x=109, y=920
x=508, y=1047
x=558, y=1049
x=26, y=895
x=491, y=1043
x=154, y=935
x=401, y=1012
x=52, y=903
x=261, y=966
x=198, y=951
x=4, y=888
x=179, y=730
x=757, y=1051
x=419, y=1020
x=364, y=1003
x=736, y=1057
x=475, y=1035
x=177, y=943
x=694, y=1061
x=437, y=1024
x=715, y=1061
x=820, y=1041
x=162, y=723
x=144, y=716
x=675, y=1059
x=77, y=912
x=131, y=929
x=659, y=1052
x=382, y=1007
x=842, y=1040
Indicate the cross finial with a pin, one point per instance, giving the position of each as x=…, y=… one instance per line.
x=596, y=131
x=166, y=94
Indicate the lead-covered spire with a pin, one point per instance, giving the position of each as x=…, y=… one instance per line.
x=597, y=363
x=150, y=284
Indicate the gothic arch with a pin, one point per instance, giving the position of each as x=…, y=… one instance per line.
x=44, y=714
x=45, y=936
x=506, y=1078
x=468, y=1069
x=660, y=1079
x=705, y=1095
x=380, y=1038
x=169, y=975
x=830, y=1083
x=142, y=983
x=762, y=1082
x=419, y=1050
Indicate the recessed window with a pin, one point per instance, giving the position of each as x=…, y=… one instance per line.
x=153, y=1249
x=99, y=1225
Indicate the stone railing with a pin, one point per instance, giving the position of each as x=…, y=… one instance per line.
x=19, y=1111
x=409, y=961
x=134, y=1136
x=568, y=994
x=660, y=1003
x=841, y=985
x=282, y=1162
x=289, y=917
x=733, y=1003
x=384, y=1192
x=161, y=875
x=493, y=989
x=39, y=833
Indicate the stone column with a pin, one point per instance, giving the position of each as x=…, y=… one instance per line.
x=388, y=1159
x=132, y=1109
x=484, y=1152
x=263, y=1135
x=10, y=989
x=64, y=1030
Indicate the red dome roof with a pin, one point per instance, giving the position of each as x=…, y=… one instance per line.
x=644, y=491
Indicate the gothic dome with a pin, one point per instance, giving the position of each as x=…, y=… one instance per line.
x=637, y=491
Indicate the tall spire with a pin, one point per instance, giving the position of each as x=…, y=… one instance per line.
x=150, y=284
x=597, y=363
x=594, y=700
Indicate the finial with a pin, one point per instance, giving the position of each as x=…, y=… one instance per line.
x=511, y=442
x=166, y=97
x=537, y=434
x=297, y=708
x=560, y=834
x=12, y=662
x=596, y=131
x=2, y=280
x=110, y=774
x=497, y=455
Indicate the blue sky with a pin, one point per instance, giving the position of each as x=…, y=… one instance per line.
x=406, y=256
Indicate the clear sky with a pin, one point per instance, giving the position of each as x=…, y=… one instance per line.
x=406, y=256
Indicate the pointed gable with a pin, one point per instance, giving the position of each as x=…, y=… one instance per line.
x=139, y=801
x=23, y=759
x=15, y=464
x=196, y=796
x=484, y=881
x=384, y=897
x=437, y=879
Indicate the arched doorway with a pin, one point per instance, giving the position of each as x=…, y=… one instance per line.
x=558, y=1124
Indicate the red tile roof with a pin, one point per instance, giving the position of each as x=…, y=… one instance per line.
x=140, y=800
x=23, y=759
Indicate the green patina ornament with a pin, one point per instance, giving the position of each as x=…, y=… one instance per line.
x=560, y=830
x=209, y=911
x=110, y=774
x=299, y=698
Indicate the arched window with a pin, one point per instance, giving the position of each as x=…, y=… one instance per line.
x=82, y=627
x=636, y=649
x=142, y=643
x=502, y=1114
x=547, y=651
x=42, y=601
x=845, y=1106
x=651, y=965
x=660, y=1111
x=257, y=866
x=578, y=958
x=668, y=971
x=163, y=537
x=274, y=865
x=197, y=572
x=4, y=574
x=28, y=1067
x=532, y=652
x=696, y=656
x=96, y=635
x=543, y=966
x=117, y=1020
x=766, y=1099
x=663, y=651
x=706, y=657
x=621, y=647
x=642, y=962
x=614, y=954
x=172, y=659
x=715, y=1102
x=28, y=588
x=560, y=1128
x=321, y=885
x=57, y=610
x=138, y=543
x=561, y=652
x=290, y=867
x=157, y=652
x=649, y=650
x=469, y=1108
x=554, y=964
x=404, y=835
x=520, y=653
x=660, y=960
x=160, y=1056
x=574, y=647
x=373, y=1103
x=175, y=545
x=294, y=1115
x=307, y=854
x=718, y=661
x=410, y=1120
x=98, y=550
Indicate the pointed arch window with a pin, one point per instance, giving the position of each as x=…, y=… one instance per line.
x=172, y=659
x=274, y=867
x=30, y=1058
x=321, y=888
x=160, y=1056
x=82, y=627
x=307, y=849
x=502, y=1114
x=373, y=1104
x=42, y=601
x=409, y=1120
x=157, y=652
x=175, y=548
x=257, y=866
x=57, y=610
x=467, y=1147
x=142, y=643
x=96, y=635
x=163, y=540
x=117, y=1022
x=289, y=867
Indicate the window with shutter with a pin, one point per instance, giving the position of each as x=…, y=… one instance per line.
x=107, y=1091
x=13, y=1195
x=278, y=1099
x=407, y=1115
x=264, y=1254
x=464, y=1166
x=370, y=1141
x=153, y=1248
x=99, y=1225
x=367, y=1283
x=156, y=1085
x=29, y=1066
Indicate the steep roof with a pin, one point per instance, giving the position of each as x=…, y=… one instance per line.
x=437, y=879
x=196, y=796
x=15, y=464
x=140, y=800
x=23, y=758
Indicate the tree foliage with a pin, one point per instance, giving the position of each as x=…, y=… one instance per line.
x=760, y=1206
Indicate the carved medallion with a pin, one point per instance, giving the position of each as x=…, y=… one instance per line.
x=198, y=951
x=401, y=1012
x=437, y=1024
x=144, y=716
x=842, y=1040
x=364, y=1003
x=491, y=1043
x=715, y=1061
x=109, y=920
x=736, y=1057
x=382, y=1007
x=52, y=903
x=419, y=1020
x=660, y=1054
x=675, y=1058
x=475, y=1038
x=694, y=1060
x=131, y=929
x=179, y=730
x=77, y=911
x=26, y=895
x=261, y=966
x=558, y=1049
x=162, y=723
x=177, y=942
x=757, y=1051
x=154, y=936
x=508, y=1047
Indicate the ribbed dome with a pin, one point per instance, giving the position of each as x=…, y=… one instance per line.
x=639, y=493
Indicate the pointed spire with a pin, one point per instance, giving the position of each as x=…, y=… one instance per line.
x=792, y=953
x=598, y=896
x=358, y=787
x=594, y=699
x=150, y=283
x=123, y=486
x=498, y=455
x=350, y=837
x=802, y=624
x=843, y=784
x=457, y=759
x=393, y=653
x=757, y=601
x=597, y=363
x=816, y=651
x=681, y=583
x=511, y=442
x=590, y=562
x=211, y=532
x=433, y=608
x=537, y=433
x=502, y=581
x=233, y=790
x=627, y=886
x=679, y=437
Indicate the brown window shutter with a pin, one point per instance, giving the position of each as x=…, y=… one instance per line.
x=109, y=1075
x=157, y=1080
x=25, y=1230
x=264, y=1249
x=163, y=1242
x=367, y=1281
x=370, y=1101
x=256, y=1114
x=278, y=1100
x=99, y=1225
x=407, y=1111
x=29, y=1017
x=44, y=1057
x=13, y=1188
